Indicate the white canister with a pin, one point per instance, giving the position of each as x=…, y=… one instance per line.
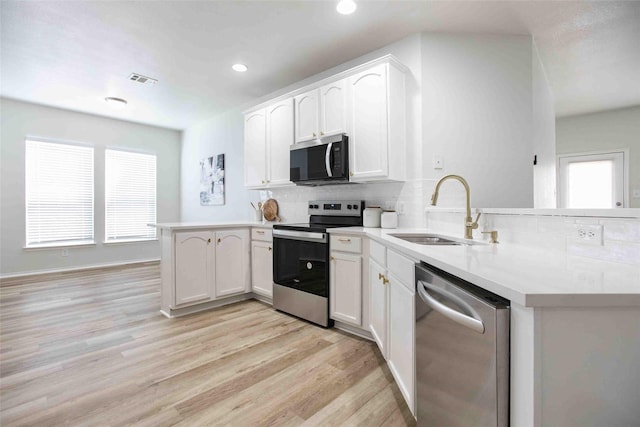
x=389, y=219
x=371, y=216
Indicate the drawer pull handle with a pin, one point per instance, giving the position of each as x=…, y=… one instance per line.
x=344, y=240
x=219, y=240
x=260, y=232
x=383, y=278
x=209, y=240
x=269, y=248
x=331, y=258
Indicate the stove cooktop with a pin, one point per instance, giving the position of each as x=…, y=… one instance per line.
x=318, y=228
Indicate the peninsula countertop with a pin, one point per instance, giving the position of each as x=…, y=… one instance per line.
x=527, y=275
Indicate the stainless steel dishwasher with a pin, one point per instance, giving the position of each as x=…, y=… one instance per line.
x=462, y=352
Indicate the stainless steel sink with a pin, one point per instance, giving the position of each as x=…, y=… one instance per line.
x=430, y=239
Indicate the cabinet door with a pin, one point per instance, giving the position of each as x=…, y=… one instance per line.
x=379, y=295
x=279, y=139
x=402, y=337
x=306, y=116
x=262, y=268
x=332, y=108
x=232, y=262
x=369, y=139
x=255, y=149
x=345, y=293
x=194, y=259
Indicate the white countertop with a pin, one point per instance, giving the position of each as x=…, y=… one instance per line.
x=528, y=276
x=202, y=225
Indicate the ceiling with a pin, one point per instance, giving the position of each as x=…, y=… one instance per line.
x=74, y=54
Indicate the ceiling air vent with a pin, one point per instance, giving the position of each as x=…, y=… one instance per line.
x=142, y=79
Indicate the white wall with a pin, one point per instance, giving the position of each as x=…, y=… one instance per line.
x=469, y=100
x=223, y=134
x=606, y=130
x=477, y=116
x=20, y=119
x=544, y=137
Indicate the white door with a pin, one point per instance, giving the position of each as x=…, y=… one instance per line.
x=369, y=139
x=345, y=288
x=591, y=181
x=262, y=268
x=255, y=149
x=333, y=115
x=232, y=262
x=279, y=139
x=379, y=294
x=194, y=259
x=402, y=337
x=306, y=116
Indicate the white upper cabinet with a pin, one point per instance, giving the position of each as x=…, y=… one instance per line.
x=377, y=124
x=321, y=112
x=268, y=134
x=279, y=139
x=333, y=114
x=306, y=114
x=366, y=102
x=255, y=149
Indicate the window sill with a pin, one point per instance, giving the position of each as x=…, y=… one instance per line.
x=128, y=241
x=45, y=246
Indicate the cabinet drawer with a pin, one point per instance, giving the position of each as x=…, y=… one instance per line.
x=401, y=267
x=378, y=253
x=264, y=234
x=346, y=244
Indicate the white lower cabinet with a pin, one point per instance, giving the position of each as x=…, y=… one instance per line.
x=194, y=267
x=262, y=263
x=346, y=288
x=201, y=266
x=392, y=314
x=232, y=262
x=379, y=297
x=401, y=349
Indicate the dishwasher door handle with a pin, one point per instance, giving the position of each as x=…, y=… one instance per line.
x=471, y=320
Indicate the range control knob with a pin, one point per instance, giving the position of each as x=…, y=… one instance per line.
x=310, y=206
x=349, y=207
x=315, y=206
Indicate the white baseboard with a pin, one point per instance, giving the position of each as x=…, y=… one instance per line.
x=354, y=330
x=79, y=268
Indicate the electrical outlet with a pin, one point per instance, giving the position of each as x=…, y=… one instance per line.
x=588, y=234
x=65, y=252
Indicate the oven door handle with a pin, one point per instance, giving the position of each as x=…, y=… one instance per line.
x=327, y=160
x=306, y=236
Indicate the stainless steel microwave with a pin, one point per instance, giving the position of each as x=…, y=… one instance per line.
x=320, y=162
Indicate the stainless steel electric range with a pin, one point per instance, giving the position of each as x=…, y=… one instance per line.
x=301, y=259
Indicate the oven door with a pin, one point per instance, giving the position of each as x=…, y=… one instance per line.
x=300, y=261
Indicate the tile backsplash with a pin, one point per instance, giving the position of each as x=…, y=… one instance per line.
x=620, y=240
x=540, y=228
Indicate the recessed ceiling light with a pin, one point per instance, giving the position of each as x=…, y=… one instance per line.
x=346, y=7
x=241, y=68
x=116, y=102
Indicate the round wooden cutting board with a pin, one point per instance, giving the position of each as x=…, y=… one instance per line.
x=270, y=210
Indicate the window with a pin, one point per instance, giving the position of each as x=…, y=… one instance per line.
x=591, y=180
x=130, y=196
x=58, y=193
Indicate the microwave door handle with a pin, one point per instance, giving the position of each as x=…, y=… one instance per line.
x=327, y=160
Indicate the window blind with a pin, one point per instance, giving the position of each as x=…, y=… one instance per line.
x=130, y=195
x=58, y=193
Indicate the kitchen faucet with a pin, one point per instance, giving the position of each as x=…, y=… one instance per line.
x=469, y=224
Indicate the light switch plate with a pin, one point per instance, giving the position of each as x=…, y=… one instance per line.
x=438, y=162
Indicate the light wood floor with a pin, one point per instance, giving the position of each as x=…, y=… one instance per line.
x=91, y=348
